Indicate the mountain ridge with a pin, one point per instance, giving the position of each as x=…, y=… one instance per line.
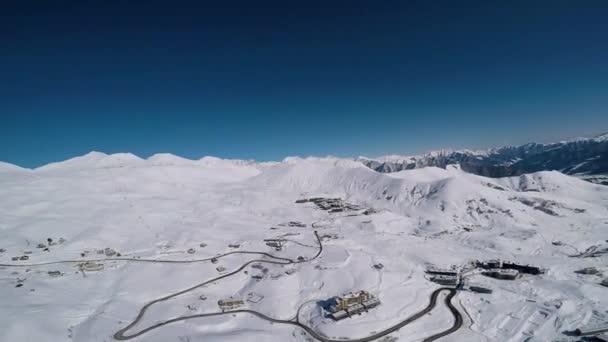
x=583, y=157
x=586, y=158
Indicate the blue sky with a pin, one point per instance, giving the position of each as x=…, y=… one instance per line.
x=265, y=80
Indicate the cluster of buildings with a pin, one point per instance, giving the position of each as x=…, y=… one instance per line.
x=277, y=244
x=492, y=268
x=90, y=266
x=233, y=303
x=337, y=308
x=351, y=304
x=506, y=270
x=332, y=205
x=506, y=265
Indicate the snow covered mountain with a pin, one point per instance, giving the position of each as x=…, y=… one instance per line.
x=102, y=244
x=587, y=158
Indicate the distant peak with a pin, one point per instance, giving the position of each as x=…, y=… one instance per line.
x=163, y=156
x=94, y=154
x=168, y=159
x=601, y=137
x=210, y=159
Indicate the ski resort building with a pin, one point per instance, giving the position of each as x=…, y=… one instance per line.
x=506, y=265
x=447, y=280
x=444, y=276
x=442, y=271
x=352, y=303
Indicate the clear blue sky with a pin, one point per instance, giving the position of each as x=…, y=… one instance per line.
x=264, y=80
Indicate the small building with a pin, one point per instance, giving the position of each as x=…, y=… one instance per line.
x=587, y=270
x=55, y=273
x=592, y=330
x=351, y=304
x=90, y=266
x=479, y=289
x=230, y=303
x=276, y=243
x=501, y=274
x=253, y=297
x=494, y=263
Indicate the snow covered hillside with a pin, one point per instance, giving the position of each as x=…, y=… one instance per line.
x=102, y=246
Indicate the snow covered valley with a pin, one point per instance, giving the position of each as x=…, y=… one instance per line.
x=104, y=247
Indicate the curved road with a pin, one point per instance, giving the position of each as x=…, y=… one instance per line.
x=455, y=313
x=122, y=333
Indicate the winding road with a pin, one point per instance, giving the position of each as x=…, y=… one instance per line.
x=433, y=302
x=123, y=335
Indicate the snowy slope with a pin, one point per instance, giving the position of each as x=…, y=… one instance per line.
x=164, y=206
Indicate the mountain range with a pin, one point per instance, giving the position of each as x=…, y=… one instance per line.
x=586, y=158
